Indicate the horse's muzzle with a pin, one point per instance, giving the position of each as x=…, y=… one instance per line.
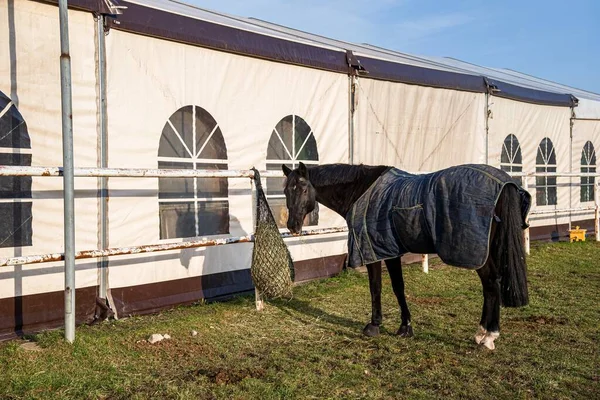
x=295, y=229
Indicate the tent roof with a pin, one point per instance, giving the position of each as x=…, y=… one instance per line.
x=178, y=21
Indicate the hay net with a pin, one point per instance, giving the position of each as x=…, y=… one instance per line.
x=272, y=268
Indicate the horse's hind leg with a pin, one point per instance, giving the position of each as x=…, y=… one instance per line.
x=489, y=326
x=394, y=267
x=372, y=328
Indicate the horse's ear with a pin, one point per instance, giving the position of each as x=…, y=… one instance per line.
x=286, y=170
x=302, y=170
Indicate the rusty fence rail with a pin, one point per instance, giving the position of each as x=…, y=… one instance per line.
x=6, y=170
x=9, y=170
x=119, y=251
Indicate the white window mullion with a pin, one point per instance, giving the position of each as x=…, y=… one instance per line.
x=294, y=141
x=5, y=109
x=180, y=138
x=283, y=144
x=196, y=216
x=207, y=140
x=190, y=160
x=15, y=150
x=191, y=200
x=304, y=143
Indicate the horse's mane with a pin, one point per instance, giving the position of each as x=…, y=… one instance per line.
x=336, y=174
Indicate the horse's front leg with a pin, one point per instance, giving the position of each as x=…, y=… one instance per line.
x=372, y=328
x=394, y=267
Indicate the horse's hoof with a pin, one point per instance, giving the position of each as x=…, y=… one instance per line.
x=488, y=340
x=405, y=331
x=371, y=330
x=480, y=335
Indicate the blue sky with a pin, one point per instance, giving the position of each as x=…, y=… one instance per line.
x=554, y=40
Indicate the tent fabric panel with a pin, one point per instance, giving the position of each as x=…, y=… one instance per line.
x=37, y=312
x=417, y=129
x=588, y=109
x=156, y=296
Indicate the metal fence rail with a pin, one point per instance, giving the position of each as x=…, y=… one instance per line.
x=6, y=170
x=119, y=251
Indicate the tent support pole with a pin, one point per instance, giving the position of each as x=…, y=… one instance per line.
x=351, y=110
x=68, y=171
x=571, y=123
x=103, y=157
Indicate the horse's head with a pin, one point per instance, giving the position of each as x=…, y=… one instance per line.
x=299, y=196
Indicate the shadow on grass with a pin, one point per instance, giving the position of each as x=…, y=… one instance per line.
x=296, y=308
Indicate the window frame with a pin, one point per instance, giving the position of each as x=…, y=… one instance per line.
x=512, y=154
x=20, y=197
x=293, y=162
x=587, y=182
x=190, y=159
x=546, y=185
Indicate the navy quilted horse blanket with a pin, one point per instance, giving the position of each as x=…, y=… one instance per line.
x=448, y=212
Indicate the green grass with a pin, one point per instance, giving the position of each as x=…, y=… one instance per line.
x=312, y=346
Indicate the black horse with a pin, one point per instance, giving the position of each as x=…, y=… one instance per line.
x=472, y=216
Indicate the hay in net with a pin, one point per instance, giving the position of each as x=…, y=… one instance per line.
x=272, y=268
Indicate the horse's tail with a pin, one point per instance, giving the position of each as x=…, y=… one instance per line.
x=508, y=251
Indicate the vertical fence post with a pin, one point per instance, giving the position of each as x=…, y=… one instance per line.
x=103, y=144
x=260, y=305
x=68, y=172
x=425, y=262
x=597, y=211
x=526, y=238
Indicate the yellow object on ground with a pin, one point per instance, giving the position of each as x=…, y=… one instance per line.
x=577, y=235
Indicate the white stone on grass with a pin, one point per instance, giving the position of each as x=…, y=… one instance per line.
x=155, y=338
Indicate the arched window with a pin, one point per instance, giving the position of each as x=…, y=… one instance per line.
x=292, y=141
x=188, y=207
x=511, y=159
x=15, y=191
x=588, y=165
x=545, y=162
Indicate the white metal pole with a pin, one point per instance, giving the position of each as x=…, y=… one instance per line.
x=353, y=82
x=103, y=144
x=597, y=211
x=68, y=173
x=425, y=262
x=526, y=238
